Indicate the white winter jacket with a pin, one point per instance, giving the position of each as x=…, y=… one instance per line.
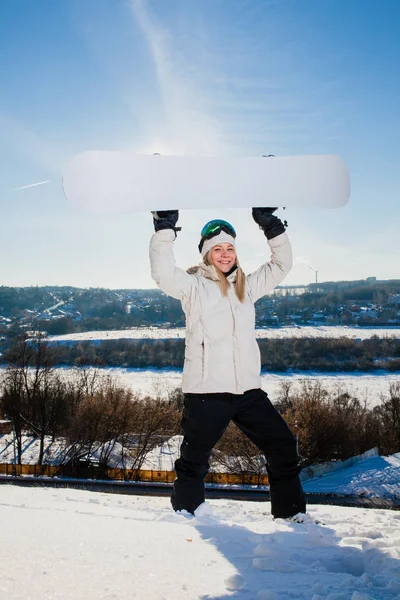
x=221, y=352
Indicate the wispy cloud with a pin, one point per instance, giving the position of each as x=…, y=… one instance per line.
x=188, y=127
x=231, y=91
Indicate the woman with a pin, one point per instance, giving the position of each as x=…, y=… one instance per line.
x=221, y=375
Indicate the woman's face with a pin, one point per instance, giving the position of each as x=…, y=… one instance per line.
x=223, y=256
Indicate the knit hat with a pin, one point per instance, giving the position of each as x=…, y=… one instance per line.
x=222, y=237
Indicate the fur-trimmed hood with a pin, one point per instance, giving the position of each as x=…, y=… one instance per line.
x=209, y=272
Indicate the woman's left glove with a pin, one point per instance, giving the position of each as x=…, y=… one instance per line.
x=166, y=219
x=272, y=226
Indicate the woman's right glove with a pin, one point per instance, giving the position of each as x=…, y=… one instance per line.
x=272, y=226
x=166, y=219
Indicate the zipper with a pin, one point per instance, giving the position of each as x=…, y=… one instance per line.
x=204, y=345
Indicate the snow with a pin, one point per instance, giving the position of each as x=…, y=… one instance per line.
x=53, y=454
x=71, y=544
x=68, y=544
x=375, y=477
x=298, y=331
x=163, y=457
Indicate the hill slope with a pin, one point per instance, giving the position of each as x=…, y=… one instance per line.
x=60, y=543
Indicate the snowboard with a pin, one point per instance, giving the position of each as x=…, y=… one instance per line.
x=119, y=181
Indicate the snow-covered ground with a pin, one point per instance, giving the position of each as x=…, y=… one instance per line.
x=306, y=331
x=374, y=477
x=71, y=544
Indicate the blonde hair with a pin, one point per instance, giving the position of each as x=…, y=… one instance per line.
x=223, y=283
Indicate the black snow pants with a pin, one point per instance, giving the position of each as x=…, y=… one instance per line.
x=205, y=418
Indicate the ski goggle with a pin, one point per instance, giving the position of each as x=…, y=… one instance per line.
x=213, y=228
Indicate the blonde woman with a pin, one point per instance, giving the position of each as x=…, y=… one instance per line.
x=221, y=375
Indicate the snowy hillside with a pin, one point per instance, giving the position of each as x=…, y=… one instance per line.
x=374, y=477
x=71, y=544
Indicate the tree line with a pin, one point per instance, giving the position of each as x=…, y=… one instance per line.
x=90, y=412
x=278, y=355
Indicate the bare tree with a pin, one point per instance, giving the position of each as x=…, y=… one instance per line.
x=13, y=401
x=100, y=419
x=33, y=394
x=110, y=417
x=389, y=415
x=330, y=425
x=284, y=397
x=236, y=454
x=89, y=380
x=154, y=421
x=176, y=397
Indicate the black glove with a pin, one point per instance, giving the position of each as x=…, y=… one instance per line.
x=166, y=219
x=272, y=226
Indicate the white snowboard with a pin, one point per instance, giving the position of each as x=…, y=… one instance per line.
x=110, y=182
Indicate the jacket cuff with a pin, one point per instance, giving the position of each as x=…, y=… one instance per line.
x=279, y=240
x=165, y=235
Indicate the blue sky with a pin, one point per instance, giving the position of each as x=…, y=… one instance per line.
x=214, y=77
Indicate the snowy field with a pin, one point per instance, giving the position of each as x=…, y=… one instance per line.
x=360, y=333
x=70, y=544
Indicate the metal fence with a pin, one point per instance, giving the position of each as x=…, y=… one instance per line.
x=147, y=476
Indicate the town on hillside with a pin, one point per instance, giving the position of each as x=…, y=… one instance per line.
x=65, y=309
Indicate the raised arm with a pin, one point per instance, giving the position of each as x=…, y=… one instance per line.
x=172, y=280
x=271, y=273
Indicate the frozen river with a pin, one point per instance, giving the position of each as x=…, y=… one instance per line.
x=365, y=386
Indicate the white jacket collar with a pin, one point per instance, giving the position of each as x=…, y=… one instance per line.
x=210, y=272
